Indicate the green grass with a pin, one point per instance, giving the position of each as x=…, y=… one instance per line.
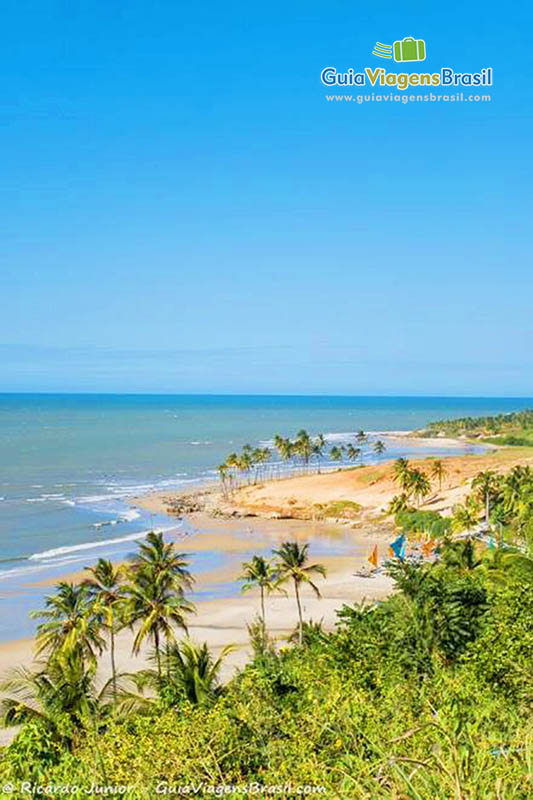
x=345, y=509
x=511, y=440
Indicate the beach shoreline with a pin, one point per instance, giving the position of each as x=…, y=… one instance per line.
x=306, y=496
x=224, y=620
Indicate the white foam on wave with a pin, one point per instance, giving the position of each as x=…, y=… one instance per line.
x=129, y=515
x=8, y=574
x=124, y=491
x=94, y=498
x=62, y=551
x=43, y=498
x=99, y=525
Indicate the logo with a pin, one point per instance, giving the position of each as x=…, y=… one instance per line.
x=407, y=49
x=404, y=51
x=382, y=50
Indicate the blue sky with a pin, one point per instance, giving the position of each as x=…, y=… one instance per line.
x=182, y=211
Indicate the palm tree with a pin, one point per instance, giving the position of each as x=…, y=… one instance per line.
x=418, y=485
x=303, y=446
x=399, y=502
x=194, y=671
x=70, y=624
x=223, y=470
x=318, y=449
x=61, y=693
x=259, y=572
x=232, y=464
x=246, y=461
x=155, y=595
x=486, y=484
x=160, y=559
x=292, y=565
x=284, y=447
x=156, y=603
x=361, y=437
x=379, y=447
x=262, y=456
x=336, y=453
x=438, y=471
x=352, y=452
x=464, y=518
x=105, y=588
x=258, y=457
x=513, y=487
x=402, y=471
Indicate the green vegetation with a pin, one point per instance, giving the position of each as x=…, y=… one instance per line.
x=515, y=428
x=431, y=522
x=511, y=440
x=337, y=509
x=426, y=695
x=504, y=501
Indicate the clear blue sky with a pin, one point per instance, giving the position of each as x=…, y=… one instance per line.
x=181, y=210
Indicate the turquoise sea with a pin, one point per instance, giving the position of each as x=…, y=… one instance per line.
x=68, y=463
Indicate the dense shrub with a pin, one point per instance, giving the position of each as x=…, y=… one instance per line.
x=423, y=522
x=422, y=696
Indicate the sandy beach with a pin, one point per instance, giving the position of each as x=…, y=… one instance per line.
x=307, y=497
x=224, y=621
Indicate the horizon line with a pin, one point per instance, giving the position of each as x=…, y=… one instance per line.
x=262, y=394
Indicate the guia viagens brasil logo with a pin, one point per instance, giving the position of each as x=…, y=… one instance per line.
x=404, y=50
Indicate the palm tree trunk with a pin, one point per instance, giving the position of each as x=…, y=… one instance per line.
x=301, y=622
x=263, y=603
x=487, y=508
x=113, y=665
x=167, y=652
x=157, y=653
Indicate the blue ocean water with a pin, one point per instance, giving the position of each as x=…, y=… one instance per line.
x=68, y=463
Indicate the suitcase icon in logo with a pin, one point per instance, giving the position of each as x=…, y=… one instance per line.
x=410, y=49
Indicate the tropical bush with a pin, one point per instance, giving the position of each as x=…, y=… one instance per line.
x=431, y=522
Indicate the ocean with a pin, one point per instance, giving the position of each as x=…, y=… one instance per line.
x=68, y=464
